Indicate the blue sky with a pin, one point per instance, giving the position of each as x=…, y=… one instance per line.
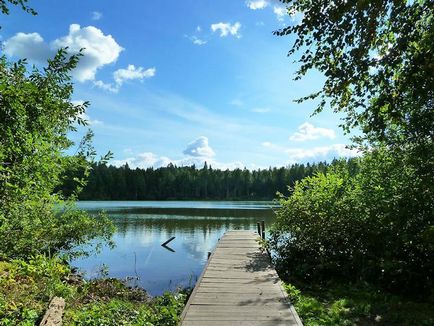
x=183, y=81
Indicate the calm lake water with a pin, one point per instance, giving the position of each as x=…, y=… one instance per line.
x=143, y=226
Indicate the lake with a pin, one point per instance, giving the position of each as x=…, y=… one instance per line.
x=142, y=226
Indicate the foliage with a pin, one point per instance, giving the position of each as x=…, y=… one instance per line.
x=373, y=226
x=163, y=310
x=377, y=60
x=26, y=288
x=356, y=304
x=22, y=3
x=188, y=182
x=36, y=115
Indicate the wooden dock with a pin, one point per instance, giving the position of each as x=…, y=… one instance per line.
x=239, y=287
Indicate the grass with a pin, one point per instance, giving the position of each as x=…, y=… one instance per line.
x=356, y=304
x=26, y=288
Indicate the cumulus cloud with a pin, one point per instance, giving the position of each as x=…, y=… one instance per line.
x=99, y=49
x=96, y=15
x=197, y=153
x=307, y=131
x=121, y=75
x=226, y=29
x=323, y=152
x=31, y=46
x=199, y=148
x=257, y=4
x=140, y=73
x=146, y=160
x=143, y=161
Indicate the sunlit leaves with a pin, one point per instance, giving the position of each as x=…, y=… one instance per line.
x=36, y=116
x=377, y=57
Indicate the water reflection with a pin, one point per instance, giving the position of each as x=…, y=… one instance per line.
x=142, y=230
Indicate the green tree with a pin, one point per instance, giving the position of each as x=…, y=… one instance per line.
x=377, y=57
x=36, y=115
x=372, y=220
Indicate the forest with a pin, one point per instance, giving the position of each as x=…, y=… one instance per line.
x=107, y=182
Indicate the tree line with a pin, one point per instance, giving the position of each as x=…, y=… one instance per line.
x=108, y=182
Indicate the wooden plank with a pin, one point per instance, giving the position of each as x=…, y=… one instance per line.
x=239, y=323
x=239, y=286
x=240, y=291
x=235, y=280
x=53, y=315
x=201, y=310
x=240, y=317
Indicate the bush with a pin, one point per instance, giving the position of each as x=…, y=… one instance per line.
x=358, y=304
x=36, y=117
x=375, y=225
x=26, y=288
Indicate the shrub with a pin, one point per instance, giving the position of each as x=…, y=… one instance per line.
x=36, y=117
x=372, y=226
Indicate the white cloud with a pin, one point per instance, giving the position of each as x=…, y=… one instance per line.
x=121, y=75
x=146, y=160
x=199, y=148
x=99, y=49
x=198, y=41
x=227, y=28
x=297, y=155
x=197, y=153
x=280, y=12
x=257, y=4
x=96, y=15
x=324, y=152
x=106, y=86
x=143, y=160
x=30, y=46
x=307, y=131
x=195, y=40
